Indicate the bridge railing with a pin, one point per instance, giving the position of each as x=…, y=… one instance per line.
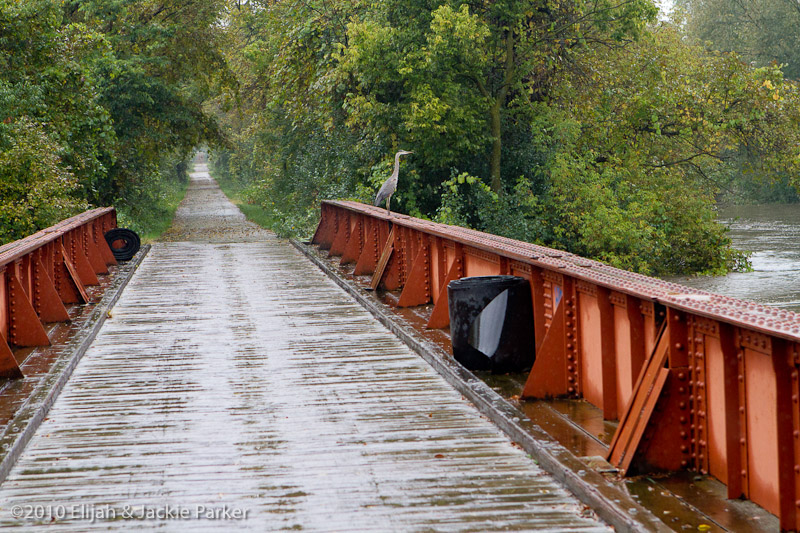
x=698, y=381
x=43, y=273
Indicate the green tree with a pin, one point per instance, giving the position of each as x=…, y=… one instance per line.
x=162, y=65
x=285, y=118
x=645, y=143
x=36, y=190
x=761, y=31
x=115, y=90
x=55, y=135
x=438, y=76
x=614, y=136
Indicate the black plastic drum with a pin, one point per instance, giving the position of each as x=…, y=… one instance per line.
x=491, y=323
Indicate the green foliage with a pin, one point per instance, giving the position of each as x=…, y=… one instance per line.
x=36, y=189
x=468, y=202
x=765, y=33
x=50, y=142
x=160, y=69
x=762, y=31
x=439, y=81
x=573, y=124
x=607, y=213
x=151, y=210
x=113, y=92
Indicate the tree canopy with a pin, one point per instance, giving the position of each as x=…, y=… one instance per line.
x=99, y=101
x=585, y=125
x=761, y=31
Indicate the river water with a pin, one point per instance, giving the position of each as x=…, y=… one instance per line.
x=772, y=234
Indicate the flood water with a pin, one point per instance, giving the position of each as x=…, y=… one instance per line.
x=772, y=234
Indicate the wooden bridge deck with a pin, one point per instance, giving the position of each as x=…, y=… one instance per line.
x=237, y=387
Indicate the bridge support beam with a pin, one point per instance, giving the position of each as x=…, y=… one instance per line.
x=698, y=381
x=42, y=273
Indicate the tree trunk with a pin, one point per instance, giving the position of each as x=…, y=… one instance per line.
x=497, y=107
x=497, y=145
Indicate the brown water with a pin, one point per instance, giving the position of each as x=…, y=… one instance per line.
x=772, y=234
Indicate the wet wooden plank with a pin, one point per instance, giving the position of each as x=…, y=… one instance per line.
x=236, y=376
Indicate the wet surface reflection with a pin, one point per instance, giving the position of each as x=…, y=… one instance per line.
x=236, y=378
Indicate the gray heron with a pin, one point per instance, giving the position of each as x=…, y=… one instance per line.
x=390, y=185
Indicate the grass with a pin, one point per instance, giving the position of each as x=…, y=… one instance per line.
x=254, y=213
x=152, y=220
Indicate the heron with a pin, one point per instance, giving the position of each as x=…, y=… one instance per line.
x=390, y=185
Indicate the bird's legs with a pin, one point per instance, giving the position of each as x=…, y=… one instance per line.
x=388, y=204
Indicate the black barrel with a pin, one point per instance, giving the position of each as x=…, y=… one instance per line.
x=491, y=323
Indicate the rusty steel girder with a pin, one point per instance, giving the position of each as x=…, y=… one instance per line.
x=697, y=380
x=42, y=273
